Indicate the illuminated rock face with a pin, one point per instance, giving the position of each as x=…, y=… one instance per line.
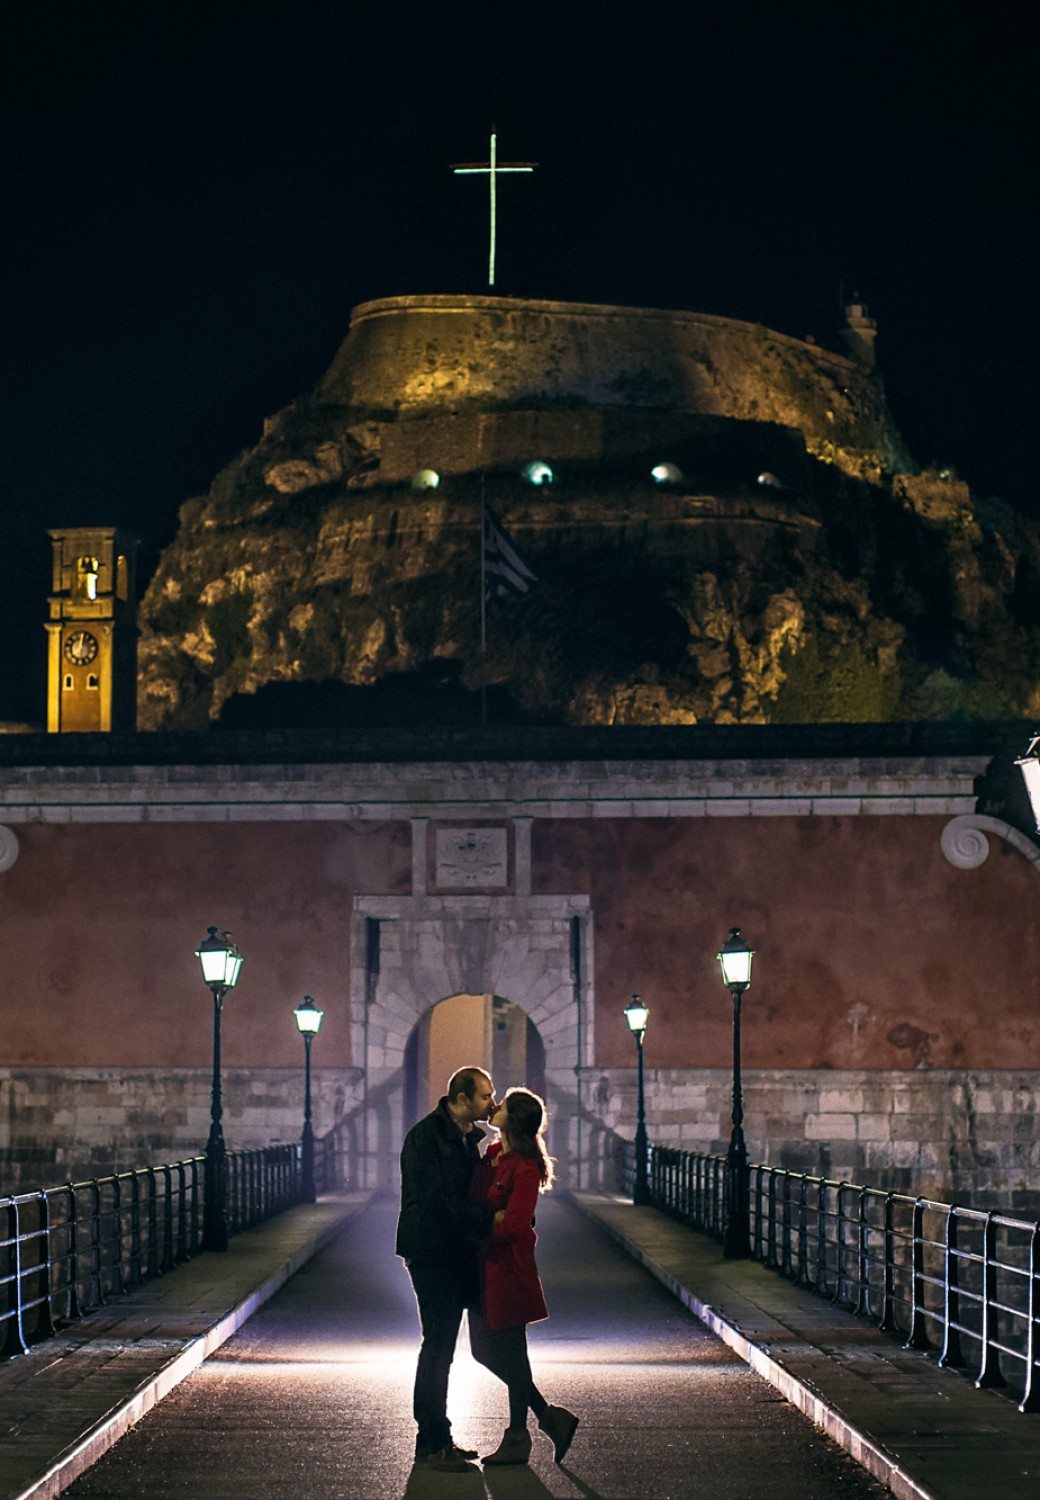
x=791, y=565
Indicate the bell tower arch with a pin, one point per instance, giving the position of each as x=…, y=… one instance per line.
x=92, y=650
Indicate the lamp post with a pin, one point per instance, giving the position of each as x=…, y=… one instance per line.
x=221, y=964
x=308, y=1022
x=637, y=1015
x=1029, y=765
x=735, y=959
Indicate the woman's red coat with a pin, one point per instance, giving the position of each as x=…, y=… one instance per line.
x=512, y=1291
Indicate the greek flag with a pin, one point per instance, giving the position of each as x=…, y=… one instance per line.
x=505, y=572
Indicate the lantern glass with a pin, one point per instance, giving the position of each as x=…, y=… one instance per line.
x=308, y=1016
x=220, y=960
x=1029, y=765
x=735, y=960
x=637, y=1014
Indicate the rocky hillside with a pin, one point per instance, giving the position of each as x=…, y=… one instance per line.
x=771, y=577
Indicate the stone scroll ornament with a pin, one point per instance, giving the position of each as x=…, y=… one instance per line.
x=8, y=848
x=965, y=844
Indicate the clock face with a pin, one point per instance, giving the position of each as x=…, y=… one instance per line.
x=81, y=647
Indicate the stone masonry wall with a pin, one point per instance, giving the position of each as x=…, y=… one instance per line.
x=58, y=1124
x=966, y=1136
x=963, y=1136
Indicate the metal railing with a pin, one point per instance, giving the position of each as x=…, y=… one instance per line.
x=65, y=1251
x=962, y=1282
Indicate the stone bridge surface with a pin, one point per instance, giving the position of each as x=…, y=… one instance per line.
x=311, y=1335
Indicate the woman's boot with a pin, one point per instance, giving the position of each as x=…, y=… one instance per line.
x=559, y=1425
x=515, y=1447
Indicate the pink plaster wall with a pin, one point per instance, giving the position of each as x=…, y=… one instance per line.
x=98, y=926
x=872, y=951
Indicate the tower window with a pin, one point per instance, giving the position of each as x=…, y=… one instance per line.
x=92, y=681
x=87, y=569
x=66, y=683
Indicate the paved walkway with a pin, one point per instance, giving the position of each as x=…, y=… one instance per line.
x=68, y=1400
x=925, y=1432
x=922, y=1431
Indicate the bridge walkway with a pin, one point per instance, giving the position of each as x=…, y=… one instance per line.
x=313, y=1392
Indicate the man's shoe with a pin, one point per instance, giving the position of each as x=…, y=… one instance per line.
x=423, y=1455
x=450, y=1460
x=559, y=1425
x=515, y=1448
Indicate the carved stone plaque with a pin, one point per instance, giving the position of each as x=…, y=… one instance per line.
x=472, y=857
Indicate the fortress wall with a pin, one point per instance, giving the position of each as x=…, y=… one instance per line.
x=406, y=356
x=462, y=442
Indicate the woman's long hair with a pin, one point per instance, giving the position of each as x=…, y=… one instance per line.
x=526, y=1120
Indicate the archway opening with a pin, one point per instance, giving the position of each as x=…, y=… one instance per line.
x=487, y=1031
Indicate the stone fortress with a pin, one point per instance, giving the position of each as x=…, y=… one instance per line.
x=756, y=683
x=724, y=521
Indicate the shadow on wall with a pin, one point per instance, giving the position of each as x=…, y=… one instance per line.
x=366, y=1143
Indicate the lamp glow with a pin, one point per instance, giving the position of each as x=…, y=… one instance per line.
x=735, y=961
x=637, y=1014
x=1029, y=765
x=308, y=1016
x=220, y=959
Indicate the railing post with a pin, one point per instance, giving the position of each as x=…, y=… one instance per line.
x=786, y=1258
x=166, y=1263
x=770, y=1260
x=117, y=1218
x=839, y=1246
x=862, y=1303
x=46, y=1327
x=73, y=1232
x=151, y=1179
x=888, y=1285
x=97, y=1291
x=820, y=1285
x=917, y=1335
x=1031, y=1395
x=135, y=1257
x=951, y=1354
x=990, y=1373
x=803, y=1231
x=14, y=1234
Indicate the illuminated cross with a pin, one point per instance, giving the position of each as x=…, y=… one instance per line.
x=492, y=168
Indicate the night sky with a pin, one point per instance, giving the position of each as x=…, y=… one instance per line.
x=196, y=199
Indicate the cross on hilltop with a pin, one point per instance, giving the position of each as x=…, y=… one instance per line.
x=492, y=168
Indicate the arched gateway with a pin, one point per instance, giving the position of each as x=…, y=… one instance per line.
x=410, y=952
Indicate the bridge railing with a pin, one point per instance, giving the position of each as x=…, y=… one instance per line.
x=65, y=1251
x=962, y=1282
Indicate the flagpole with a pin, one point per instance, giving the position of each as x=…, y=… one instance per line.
x=483, y=606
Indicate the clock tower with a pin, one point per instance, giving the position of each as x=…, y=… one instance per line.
x=92, y=651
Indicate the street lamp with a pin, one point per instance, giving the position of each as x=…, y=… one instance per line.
x=735, y=960
x=1029, y=765
x=637, y=1014
x=308, y=1021
x=221, y=964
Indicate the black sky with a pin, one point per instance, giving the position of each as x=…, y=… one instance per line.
x=196, y=199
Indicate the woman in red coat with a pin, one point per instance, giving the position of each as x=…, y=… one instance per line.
x=510, y=1177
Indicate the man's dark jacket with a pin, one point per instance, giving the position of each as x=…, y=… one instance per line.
x=438, y=1225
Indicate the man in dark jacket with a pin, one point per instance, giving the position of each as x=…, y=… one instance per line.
x=437, y=1236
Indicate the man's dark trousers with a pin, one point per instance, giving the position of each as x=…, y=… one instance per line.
x=442, y=1299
